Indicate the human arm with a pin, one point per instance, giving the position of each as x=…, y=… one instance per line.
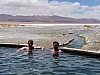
x=23, y=48
x=39, y=47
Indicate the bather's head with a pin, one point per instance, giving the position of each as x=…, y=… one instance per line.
x=30, y=42
x=55, y=44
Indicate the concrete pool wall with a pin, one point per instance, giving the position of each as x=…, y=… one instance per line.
x=90, y=53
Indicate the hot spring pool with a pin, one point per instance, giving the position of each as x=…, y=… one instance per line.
x=42, y=63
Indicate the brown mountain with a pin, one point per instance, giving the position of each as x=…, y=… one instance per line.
x=21, y=18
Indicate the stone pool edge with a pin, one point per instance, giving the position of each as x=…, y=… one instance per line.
x=82, y=52
x=90, y=53
x=12, y=45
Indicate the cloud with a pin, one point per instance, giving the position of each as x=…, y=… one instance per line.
x=19, y=3
x=44, y=7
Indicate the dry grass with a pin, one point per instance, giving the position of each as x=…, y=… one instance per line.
x=87, y=26
x=9, y=25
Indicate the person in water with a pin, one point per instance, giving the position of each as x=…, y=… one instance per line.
x=30, y=47
x=55, y=49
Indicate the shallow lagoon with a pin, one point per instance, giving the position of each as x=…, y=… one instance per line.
x=43, y=63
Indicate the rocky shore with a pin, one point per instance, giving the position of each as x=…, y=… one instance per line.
x=92, y=38
x=45, y=35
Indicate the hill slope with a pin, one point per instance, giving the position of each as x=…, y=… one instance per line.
x=10, y=18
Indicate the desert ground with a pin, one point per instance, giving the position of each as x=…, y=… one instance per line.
x=45, y=35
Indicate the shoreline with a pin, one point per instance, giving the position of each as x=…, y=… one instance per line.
x=45, y=35
x=47, y=23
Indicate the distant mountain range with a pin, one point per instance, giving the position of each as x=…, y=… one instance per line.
x=21, y=18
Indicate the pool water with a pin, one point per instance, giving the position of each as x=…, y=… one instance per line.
x=41, y=62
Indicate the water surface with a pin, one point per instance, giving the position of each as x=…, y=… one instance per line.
x=42, y=63
x=78, y=41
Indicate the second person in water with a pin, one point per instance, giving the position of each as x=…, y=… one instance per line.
x=56, y=49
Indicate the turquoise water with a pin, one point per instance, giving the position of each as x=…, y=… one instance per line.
x=43, y=63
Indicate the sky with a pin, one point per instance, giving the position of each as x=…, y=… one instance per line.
x=65, y=8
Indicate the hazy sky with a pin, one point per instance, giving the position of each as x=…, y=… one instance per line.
x=66, y=8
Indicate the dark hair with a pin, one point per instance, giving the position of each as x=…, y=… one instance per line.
x=56, y=42
x=30, y=40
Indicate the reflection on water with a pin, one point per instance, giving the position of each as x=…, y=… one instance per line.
x=43, y=63
x=30, y=55
x=55, y=55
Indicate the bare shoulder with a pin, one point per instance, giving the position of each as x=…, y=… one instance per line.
x=60, y=50
x=54, y=50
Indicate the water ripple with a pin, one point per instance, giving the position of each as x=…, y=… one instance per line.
x=42, y=63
